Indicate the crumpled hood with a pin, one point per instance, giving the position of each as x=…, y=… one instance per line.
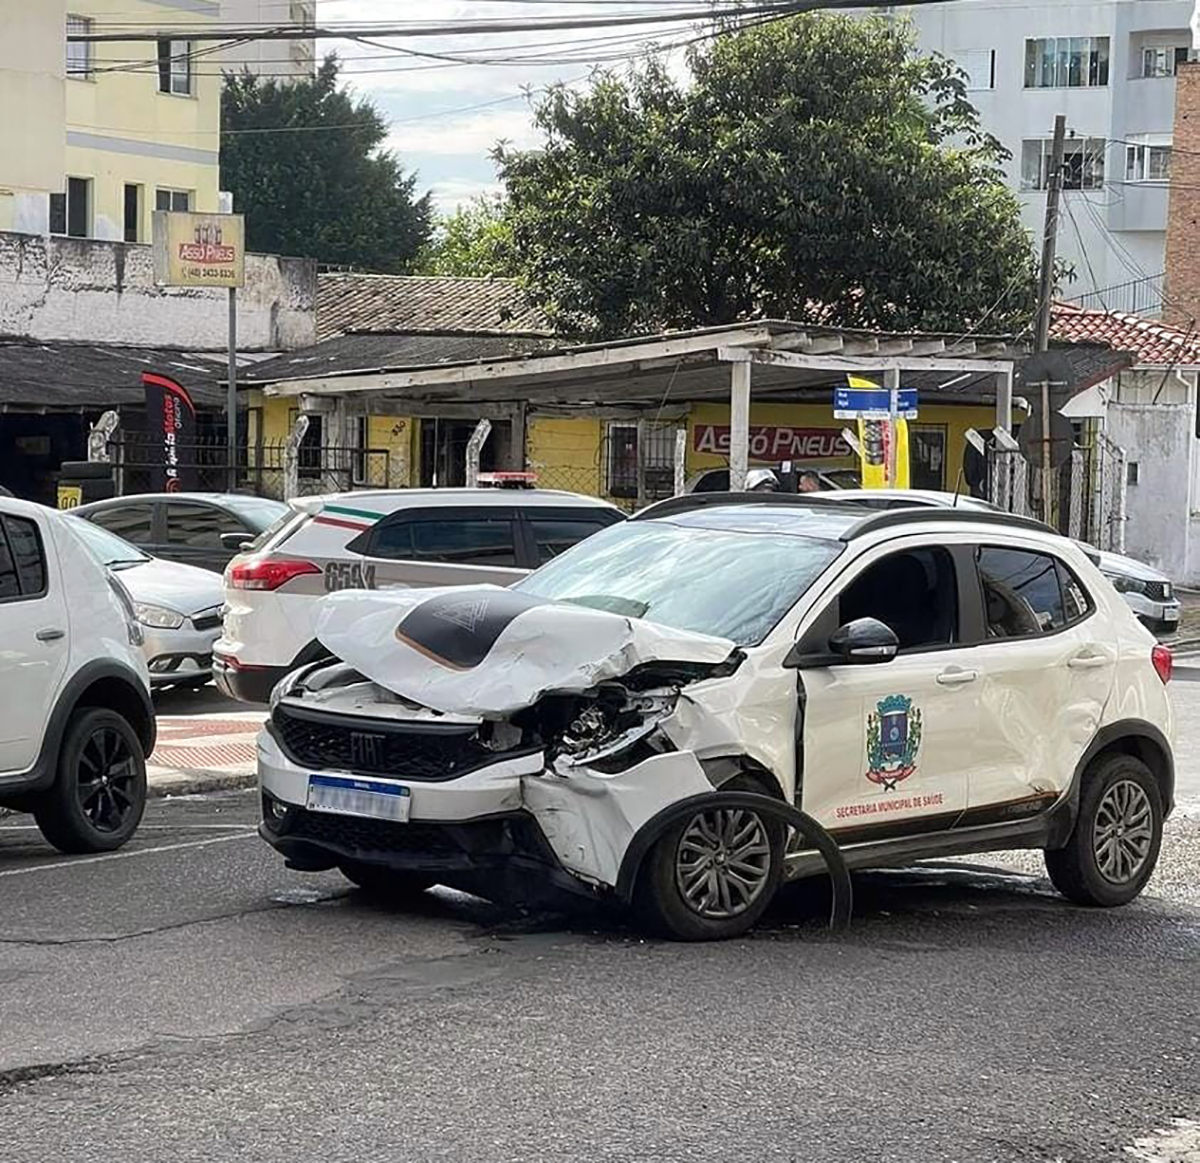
x=489, y=651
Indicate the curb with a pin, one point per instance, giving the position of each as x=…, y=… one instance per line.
x=199, y=782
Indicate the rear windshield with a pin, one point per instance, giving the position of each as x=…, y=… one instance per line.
x=260, y=513
x=732, y=584
x=279, y=530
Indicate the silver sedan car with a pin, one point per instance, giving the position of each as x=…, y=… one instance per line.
x=178, y=606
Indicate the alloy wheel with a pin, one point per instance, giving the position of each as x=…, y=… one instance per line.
x=1123, y=831
x=723, y=862
x=107, y=779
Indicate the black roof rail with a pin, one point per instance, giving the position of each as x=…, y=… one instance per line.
x=892, y=517
x=690, y=501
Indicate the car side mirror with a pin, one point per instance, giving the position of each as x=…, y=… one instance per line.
x=234, y=542
x=865, y=640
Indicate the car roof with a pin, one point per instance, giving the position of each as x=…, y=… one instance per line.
x=391, y=500
x=811, y=514
x=929, y=497
x=209, y=498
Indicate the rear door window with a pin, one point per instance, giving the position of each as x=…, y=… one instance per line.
x=199, y=526
x=22, y=560
x=486, y=541
x=552, y=535
x=1028, y=593
x=133, y=522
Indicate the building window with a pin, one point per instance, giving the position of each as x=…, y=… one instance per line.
x=980, y=66
x=658, y=461
x=79, y=52
x=1066, y=62
x=1083, y=164
x=71, y=213
x=1148, y=162
x=178, y=200
x=133, y=213
x=1163, y=60
x=175, y=67
x=1132, y=474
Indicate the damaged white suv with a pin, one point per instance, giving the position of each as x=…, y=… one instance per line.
x=922, y=683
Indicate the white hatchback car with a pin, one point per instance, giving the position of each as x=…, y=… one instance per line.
x=76, y=722
x=379, y=540
x=922, y=683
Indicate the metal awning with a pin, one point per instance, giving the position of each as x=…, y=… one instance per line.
x=770, y=359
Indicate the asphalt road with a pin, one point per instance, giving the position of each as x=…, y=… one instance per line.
x=190, y=999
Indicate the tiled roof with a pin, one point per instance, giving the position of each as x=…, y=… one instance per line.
x=1150, y=341
x=424, y=304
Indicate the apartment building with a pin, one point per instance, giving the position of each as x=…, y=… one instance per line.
x=283, y=60
x=1109, y=66
x=118, y=129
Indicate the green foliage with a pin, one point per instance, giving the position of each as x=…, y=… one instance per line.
x=323, y=188
x=474, y=240
x=814, y=168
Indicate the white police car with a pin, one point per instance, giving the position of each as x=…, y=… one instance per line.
x=921, y=682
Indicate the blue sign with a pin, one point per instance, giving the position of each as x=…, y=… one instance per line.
x=873, y=403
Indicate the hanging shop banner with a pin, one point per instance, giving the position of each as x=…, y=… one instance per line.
x=775, y=443
x=199, y=250
x=171, y=422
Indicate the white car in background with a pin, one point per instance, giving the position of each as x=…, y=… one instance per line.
x=380, y=539
x=1147, y=591
x=178, y=607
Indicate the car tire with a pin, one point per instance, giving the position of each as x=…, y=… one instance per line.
x=662, y=902
x=385, y=883
x=1116, y=839
x=99, y=792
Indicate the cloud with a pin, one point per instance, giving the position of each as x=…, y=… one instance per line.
x=453, y=192
x=472, y=134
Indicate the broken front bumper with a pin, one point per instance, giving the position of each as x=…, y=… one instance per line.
x=573, y=822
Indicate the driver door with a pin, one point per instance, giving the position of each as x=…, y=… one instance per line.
x=887, y=745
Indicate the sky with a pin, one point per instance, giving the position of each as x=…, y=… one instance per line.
x=445, y=119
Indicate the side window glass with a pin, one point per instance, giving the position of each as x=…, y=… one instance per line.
x=199, y=526
x=392, y=539
x=1075, y=597
x=133, y=522
x=25, y=547
x=552, y=535
x=1021, y=593
x=914, y=592
x=482, y=541
x=9, y=586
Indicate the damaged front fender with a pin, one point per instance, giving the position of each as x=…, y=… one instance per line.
x=590, y=818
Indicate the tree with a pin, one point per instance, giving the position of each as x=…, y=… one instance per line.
x=476, y=239
x=815, y=168
x=321, y=187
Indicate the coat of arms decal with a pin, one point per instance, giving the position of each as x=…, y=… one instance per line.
x=893, y=740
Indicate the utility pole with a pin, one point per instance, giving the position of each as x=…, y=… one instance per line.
x=1054, y=182
x=1050, y=237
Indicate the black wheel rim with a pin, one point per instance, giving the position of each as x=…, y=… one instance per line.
x=107, y=784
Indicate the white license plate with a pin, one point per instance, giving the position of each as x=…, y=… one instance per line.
x=1170, y=615
x=347, y=796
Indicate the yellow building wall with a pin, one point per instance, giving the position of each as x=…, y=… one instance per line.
x=32, y=109
x=954, y=420
x=121, y=130
x=398, y=436
x=565, y=453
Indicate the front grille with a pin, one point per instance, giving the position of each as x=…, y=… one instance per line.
x=373, y=748
x=207, y=619
x=1158, y=591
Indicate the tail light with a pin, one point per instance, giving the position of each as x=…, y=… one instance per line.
x=267, y=575
x=1163, y=662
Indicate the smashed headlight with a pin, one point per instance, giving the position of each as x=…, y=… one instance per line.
x=613, y=722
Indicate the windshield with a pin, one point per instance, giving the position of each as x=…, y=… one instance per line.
x=258, y=512
x=107, y=548
x=711, y=581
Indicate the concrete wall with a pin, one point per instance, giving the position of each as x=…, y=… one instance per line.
x=104, y=292
x=32, y=108
x=1159, y=439
x=282, y=60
